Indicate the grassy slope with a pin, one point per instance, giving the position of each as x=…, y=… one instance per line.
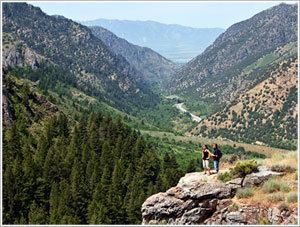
x=289, y=179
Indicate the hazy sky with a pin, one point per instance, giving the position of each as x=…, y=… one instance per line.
x=194, y=14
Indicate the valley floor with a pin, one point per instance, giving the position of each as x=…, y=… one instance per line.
x=249, y=147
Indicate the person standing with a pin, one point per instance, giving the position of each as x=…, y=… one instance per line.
x=206, y=154
x=217, y=156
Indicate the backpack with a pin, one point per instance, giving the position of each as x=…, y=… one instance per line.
x=220, y=155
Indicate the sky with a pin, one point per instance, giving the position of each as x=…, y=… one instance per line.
x=193, y=14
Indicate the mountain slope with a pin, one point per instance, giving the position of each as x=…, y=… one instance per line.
x=154, y=67
x=217, y=75
x=60, y=170
x=265, y=114
x=175, y=42
x=73, y=47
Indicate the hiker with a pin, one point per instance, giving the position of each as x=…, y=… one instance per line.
x=206, y=154
x=217, y=156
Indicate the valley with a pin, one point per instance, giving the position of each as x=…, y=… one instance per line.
x=194, y=117
x=100, y=115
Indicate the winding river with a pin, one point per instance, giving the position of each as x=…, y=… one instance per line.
x=194, y=117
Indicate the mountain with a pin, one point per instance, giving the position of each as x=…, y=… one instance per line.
x=87, y=62
x=265, y=114
x=154, y=67
x=247, y=78
x=175, y=42
x=220, y=74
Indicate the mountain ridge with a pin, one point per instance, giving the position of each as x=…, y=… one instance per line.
x=236, y=48
x=154, y=67
x=96, y=69
x=174, y=42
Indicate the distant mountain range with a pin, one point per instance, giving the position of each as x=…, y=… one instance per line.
x=155, y=68
x=175, y=42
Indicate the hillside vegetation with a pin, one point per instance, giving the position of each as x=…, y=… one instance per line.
x=217, y=74
x=266, y=114
x=72, y=47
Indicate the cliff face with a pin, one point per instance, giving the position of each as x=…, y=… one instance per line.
x=201, y=199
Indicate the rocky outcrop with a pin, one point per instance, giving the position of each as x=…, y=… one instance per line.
x=255, y=179
x=199, y=198
x=16, y=53
x=11, y=58
x=254, y=215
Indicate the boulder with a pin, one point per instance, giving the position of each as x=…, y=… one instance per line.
x=199, y=198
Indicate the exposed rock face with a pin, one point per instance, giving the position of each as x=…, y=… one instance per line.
x=199, y=199
x=17, y=53
x=254, y=215
x=255, y=179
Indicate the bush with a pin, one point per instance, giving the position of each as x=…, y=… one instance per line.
x=264, y=221
x=224, y=177
x=292, y=197
x=283, y=206
x=283, y=168
x=275, y=197
x=244, y=193
x=243, y=168
x=233, y=207
x=274, y=185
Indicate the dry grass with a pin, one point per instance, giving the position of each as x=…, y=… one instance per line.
x=289, y=158
x=289, y=179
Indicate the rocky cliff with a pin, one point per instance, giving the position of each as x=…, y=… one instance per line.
x=201, y=199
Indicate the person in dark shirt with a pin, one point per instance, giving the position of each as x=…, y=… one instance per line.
x=206, y=154
x=217, y=156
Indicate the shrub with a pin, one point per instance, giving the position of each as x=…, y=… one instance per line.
x=283, y=206
x=244, y=193
x=233, y=207
x=264, y=221
x=224, y=177
x=292, y=197
x=231, y=158
x=243, y=168
x=275, y=197
x=283, y=168
x=274, y=185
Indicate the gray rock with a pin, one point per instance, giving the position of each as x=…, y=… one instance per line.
x=235, y=217
x=199, y=199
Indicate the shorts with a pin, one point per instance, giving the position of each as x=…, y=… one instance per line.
x=205, y=164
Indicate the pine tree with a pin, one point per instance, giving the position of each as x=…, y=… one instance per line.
x=116, y=194
x=37, y=215
x=54, y=203
x=171, y=171
x=99, y=207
